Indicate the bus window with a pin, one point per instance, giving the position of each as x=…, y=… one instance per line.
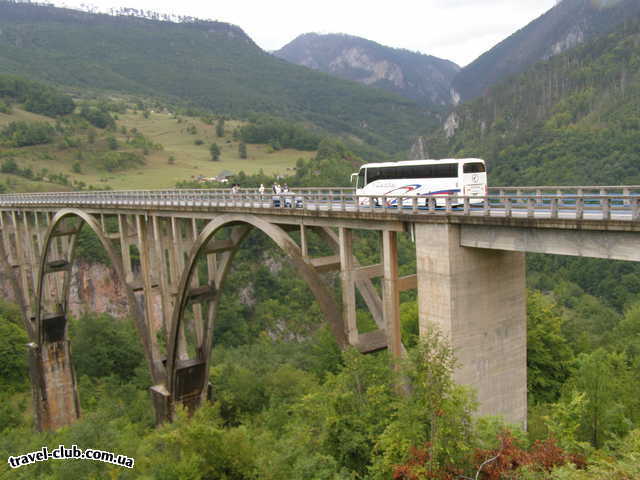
x=360, y=183
x=476, y=167
x=409, y=172
x=445, y=170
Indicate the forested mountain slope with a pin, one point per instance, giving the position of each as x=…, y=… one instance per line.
x=574, y=119
x=211, y=65
x=422, y=78
x=568, y=24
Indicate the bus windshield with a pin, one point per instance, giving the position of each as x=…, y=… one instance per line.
x=360, y=182
x=475, y=167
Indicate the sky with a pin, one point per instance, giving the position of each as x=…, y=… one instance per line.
x=457, y=30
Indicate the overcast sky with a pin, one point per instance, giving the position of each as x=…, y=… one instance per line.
x=458, y=30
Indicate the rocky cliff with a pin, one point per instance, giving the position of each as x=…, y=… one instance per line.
x=94, y=288
x=422, y=78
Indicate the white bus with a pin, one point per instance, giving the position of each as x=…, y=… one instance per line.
x=423, y=178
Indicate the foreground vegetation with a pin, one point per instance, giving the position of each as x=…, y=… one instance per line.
x=303, y=410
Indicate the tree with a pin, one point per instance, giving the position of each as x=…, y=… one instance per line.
x=199, y=447
x=548, y=353
x=112, y=143
x=97, y=117
x=9, y=166
x=214, y=149
x=23, y=134
x=242, y=150
x=103, y=346
x=220, y=127
x=13, y=365
x=601, y=377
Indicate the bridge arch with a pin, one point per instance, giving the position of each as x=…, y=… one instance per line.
x=53, y=378
x=176, y=374
x=52, y=232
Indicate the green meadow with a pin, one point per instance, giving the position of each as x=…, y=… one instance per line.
x=182, y=154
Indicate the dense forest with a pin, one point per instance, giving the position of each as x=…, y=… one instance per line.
x=572, y=120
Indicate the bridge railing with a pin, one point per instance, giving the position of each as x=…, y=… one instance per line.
x=601, y=203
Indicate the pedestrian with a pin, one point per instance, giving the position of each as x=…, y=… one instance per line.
x=276, y=195
x=261, y=191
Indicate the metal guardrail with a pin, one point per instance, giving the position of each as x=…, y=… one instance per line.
x=594, y=203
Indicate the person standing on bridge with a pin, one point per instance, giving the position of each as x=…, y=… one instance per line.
x=261, y=191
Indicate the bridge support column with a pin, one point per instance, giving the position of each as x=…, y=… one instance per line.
x=53, y=381
x=478, y=298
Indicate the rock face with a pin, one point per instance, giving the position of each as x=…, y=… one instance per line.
x=94, y=288
x=422, y=78
x=568, y=24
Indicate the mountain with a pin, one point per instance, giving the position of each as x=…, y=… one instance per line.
x=422, y=78
x=568, y=24
x=569, y=120
x=209, y=65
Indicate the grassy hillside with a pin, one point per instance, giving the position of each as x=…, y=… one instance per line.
x=571, y=120
x=211, y=65
x=165, y=130
x=48, y=141
x=191, y=160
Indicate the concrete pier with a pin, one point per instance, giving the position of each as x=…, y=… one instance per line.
x=53, y=384
x=477, y=297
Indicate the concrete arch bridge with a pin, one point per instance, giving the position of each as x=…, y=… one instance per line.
x=470, y=274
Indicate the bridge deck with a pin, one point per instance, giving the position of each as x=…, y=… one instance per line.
x=557, y=209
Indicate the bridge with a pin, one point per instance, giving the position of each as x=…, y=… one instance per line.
x=173, y=249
